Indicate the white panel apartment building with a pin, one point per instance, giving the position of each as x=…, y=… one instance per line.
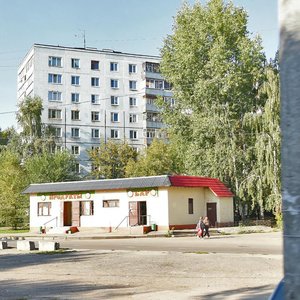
x=91, y=96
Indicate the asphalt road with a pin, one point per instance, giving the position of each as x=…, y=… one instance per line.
x=233, y=267
x=254, y=243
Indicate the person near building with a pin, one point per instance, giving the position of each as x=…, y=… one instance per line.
x=206, y=227
x=200, y=228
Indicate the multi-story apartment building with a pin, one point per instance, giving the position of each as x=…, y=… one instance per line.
x=91, y=96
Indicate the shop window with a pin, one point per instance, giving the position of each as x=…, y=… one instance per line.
x=111, y=203
x=87, y=208
x=44, y=208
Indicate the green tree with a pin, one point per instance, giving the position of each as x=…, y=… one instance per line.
x=35, y=136
x=263, y=181
x=48, y=167
x=3, y=137
x=215, y=69
x=158, y=159
x=13, y=205
x=110, y=160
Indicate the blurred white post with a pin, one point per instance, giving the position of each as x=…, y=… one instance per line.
x=290, y=126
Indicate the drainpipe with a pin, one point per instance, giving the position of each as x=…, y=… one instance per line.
x=290, y=149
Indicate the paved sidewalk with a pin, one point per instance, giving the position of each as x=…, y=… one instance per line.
x=117, y=235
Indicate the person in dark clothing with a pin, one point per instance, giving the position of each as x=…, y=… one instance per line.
x=206, y=227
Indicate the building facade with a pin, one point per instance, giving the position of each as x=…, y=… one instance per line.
x=105, y=205
x=91, y=96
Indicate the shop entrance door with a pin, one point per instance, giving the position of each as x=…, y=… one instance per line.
x=212, y=213
x=68, y=213
x=137, y=213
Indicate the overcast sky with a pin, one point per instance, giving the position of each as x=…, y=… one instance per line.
x=135, y=26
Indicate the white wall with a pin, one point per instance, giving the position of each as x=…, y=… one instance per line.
x=226, y=210
x=178, y=205
x=37, y=221
x=157, y=209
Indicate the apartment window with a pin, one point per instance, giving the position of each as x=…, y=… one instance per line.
x=86, y=208
x=94, y=64
x=75, y=150
x=114, y=117
x=95, y=148
x=55, y=149
x=167, y=85
x=170, y=101
x=114, y=100
x=75, y=97
x=95, y=133
x=75, y=62
x=95, y=81
x=133, y=134
x=154, y=84
x=191, y=206
x=54, y=96
x=133, y=118
x=95, y=116
x=114, y=83
x=150, y=133
x=44, y=209
x=54, y=78
x=150, y=101
x=132, y=85
x=95, y=99
x=75, y=80
x=54, y=114
x=114, y=133
x=54, y=61
x=114, y=66
x=111, y=203
x=75, y=116
x=77, y=168
x=152, y=67
x=132, y=68
x=132, y=101
x=57, y=132
x=75, y=132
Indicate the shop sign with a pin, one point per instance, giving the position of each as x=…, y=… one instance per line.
x=142, y=192
x=67, y=196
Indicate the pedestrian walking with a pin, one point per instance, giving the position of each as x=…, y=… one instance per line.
x=206, y=227
x=200, y=228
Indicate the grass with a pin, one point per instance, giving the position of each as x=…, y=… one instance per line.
x=59, y=251
x=9, y=230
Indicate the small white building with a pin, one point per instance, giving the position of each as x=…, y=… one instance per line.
x=166, y=201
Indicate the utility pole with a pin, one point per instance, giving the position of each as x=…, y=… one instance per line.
x=290, y=149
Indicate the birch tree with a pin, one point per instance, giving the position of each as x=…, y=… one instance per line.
x=215, y=68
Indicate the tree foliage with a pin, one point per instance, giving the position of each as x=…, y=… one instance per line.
x=158, y=159
x=110, y=160
x=263, y=181
x=35, y=136
x=216, y=70
x=48, y=167
x=13, y=205
x=25, y=159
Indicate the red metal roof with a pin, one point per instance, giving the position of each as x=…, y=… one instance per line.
x=215, y=185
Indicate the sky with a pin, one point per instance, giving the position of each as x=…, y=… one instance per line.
x=134, y=26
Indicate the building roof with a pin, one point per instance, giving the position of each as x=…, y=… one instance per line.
x=215, y=185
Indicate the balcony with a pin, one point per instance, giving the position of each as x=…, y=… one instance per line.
x=158, y=92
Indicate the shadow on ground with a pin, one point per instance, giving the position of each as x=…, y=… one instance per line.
x=250, y=293
x=13, y=261
x=12, y=290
